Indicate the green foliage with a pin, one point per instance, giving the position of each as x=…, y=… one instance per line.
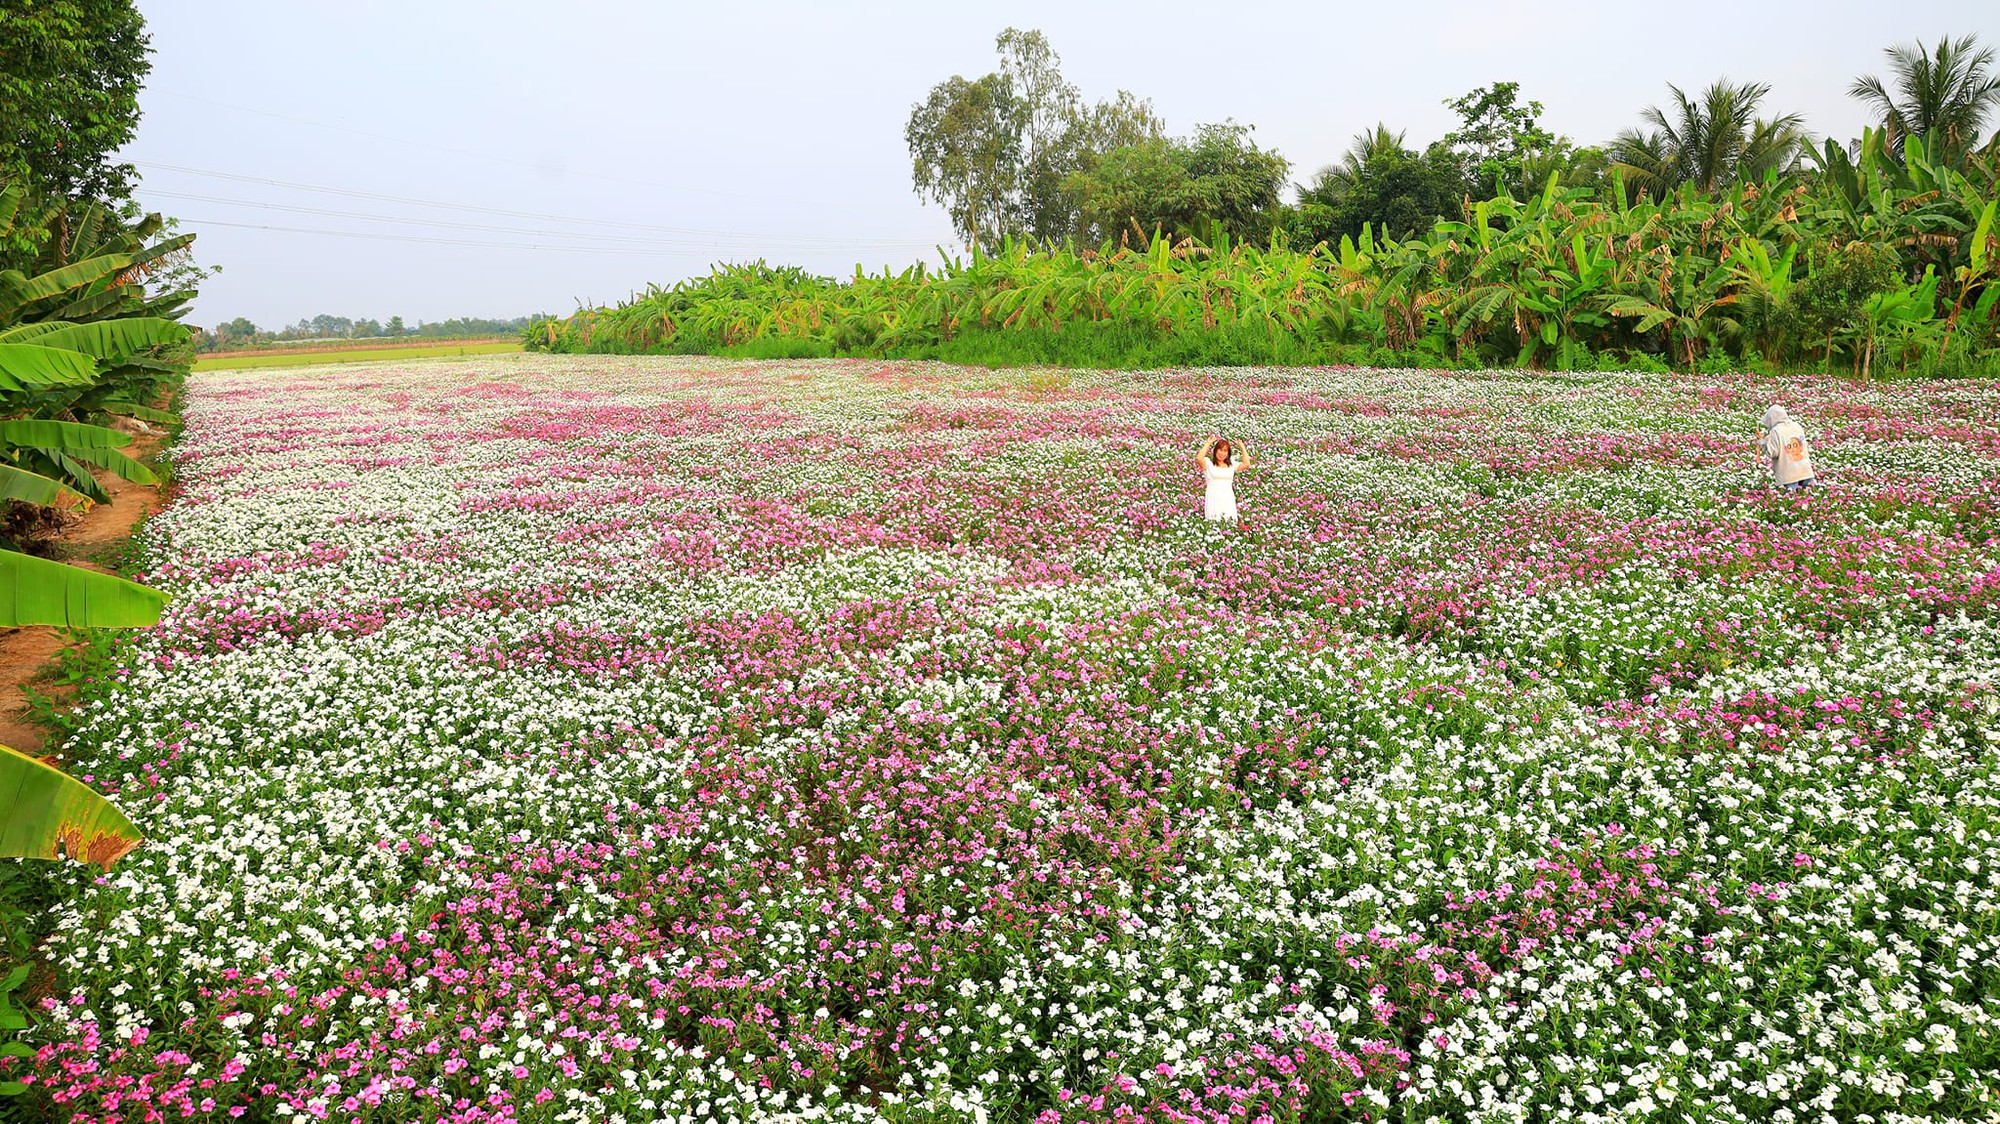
x=1500, y=144
x=46, y=814
x=965, y=151
x=1217, y=185
x=1840, y=279
x=81, y=341
x=70, y=72
x=1382, y=186
x=1702, y=241
x=1944, y=93
x=1888, y=268
x=1712, y=140
x=997, y=151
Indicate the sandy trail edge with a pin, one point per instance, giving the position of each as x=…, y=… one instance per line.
x=24, y=652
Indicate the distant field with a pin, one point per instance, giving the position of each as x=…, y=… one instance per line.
x=303, y=358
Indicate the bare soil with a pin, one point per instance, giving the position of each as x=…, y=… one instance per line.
x=25, y=653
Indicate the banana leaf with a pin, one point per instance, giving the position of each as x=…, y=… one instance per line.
x=102, y=304
x=15, y=295
x=72, y=472
x=35, y=591
x=28, y=487
x=88, y=227
x=25, y=366
x=38, y=433
x=104, y=339
x=46, y=814
x=127, y=408
x=159, y=250
x=114, y=462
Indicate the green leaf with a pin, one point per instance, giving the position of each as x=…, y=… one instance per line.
x=26, y=366
x=159, y=250
x=38, y=433
x=47, y=814
x=1979, y=237
x=126, y=408
x=35, y=591
x=111, y=300
x=114, y=462
x=73, y=473
x=89, y=271
x=28, y=487
x=104, y=339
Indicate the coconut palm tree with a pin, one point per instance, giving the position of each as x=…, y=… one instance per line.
x=1943, y=93
x=1377, y=142
x=1711, y=140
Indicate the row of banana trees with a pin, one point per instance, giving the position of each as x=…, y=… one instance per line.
x=84, y=342
x=1876, y=259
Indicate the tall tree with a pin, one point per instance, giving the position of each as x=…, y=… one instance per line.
x=996, y=151
x=1382, y=184
x=240, y=328
x=1943, y=93
x=1711, y=140
x=1368, y=147
x=1498, y=139
x=965, y=145
x=70, y=72
x=1217, y=182
x=1048, y=108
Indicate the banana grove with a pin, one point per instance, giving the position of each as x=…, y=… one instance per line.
x=1878, y=262
x=83, y=344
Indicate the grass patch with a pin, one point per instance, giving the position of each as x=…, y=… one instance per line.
x=357, y=355
x=123, y=556
x=1100, y=345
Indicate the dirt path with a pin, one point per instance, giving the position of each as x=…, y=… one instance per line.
x=25, y=652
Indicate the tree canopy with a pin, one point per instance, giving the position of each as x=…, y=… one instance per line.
x=1944, y=93
x=70, y=73
x=1215, y=183
x=996, y=151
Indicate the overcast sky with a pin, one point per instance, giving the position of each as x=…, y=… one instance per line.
x=685, y=133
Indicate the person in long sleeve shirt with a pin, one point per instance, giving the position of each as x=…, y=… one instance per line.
x=1784, y=444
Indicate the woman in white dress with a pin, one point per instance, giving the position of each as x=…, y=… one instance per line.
x=1219, y=461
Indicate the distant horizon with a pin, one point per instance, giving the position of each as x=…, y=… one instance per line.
x=424, y=160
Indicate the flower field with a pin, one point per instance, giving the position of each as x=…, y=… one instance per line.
x=609, y=739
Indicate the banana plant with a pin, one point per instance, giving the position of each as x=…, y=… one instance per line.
x=44, y=813
x=1906, y=313
x=128, y=376
x=1977, y=274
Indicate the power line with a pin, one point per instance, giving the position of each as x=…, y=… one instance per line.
x=502, y=212
x=420, y=238
x=496, y=157
x=777, y=243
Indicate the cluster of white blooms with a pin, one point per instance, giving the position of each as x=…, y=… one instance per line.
x=601, y=739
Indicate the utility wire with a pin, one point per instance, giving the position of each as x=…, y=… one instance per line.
x=502, y=212
x=427, y=239
x=820, y=204
x=777, y=243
